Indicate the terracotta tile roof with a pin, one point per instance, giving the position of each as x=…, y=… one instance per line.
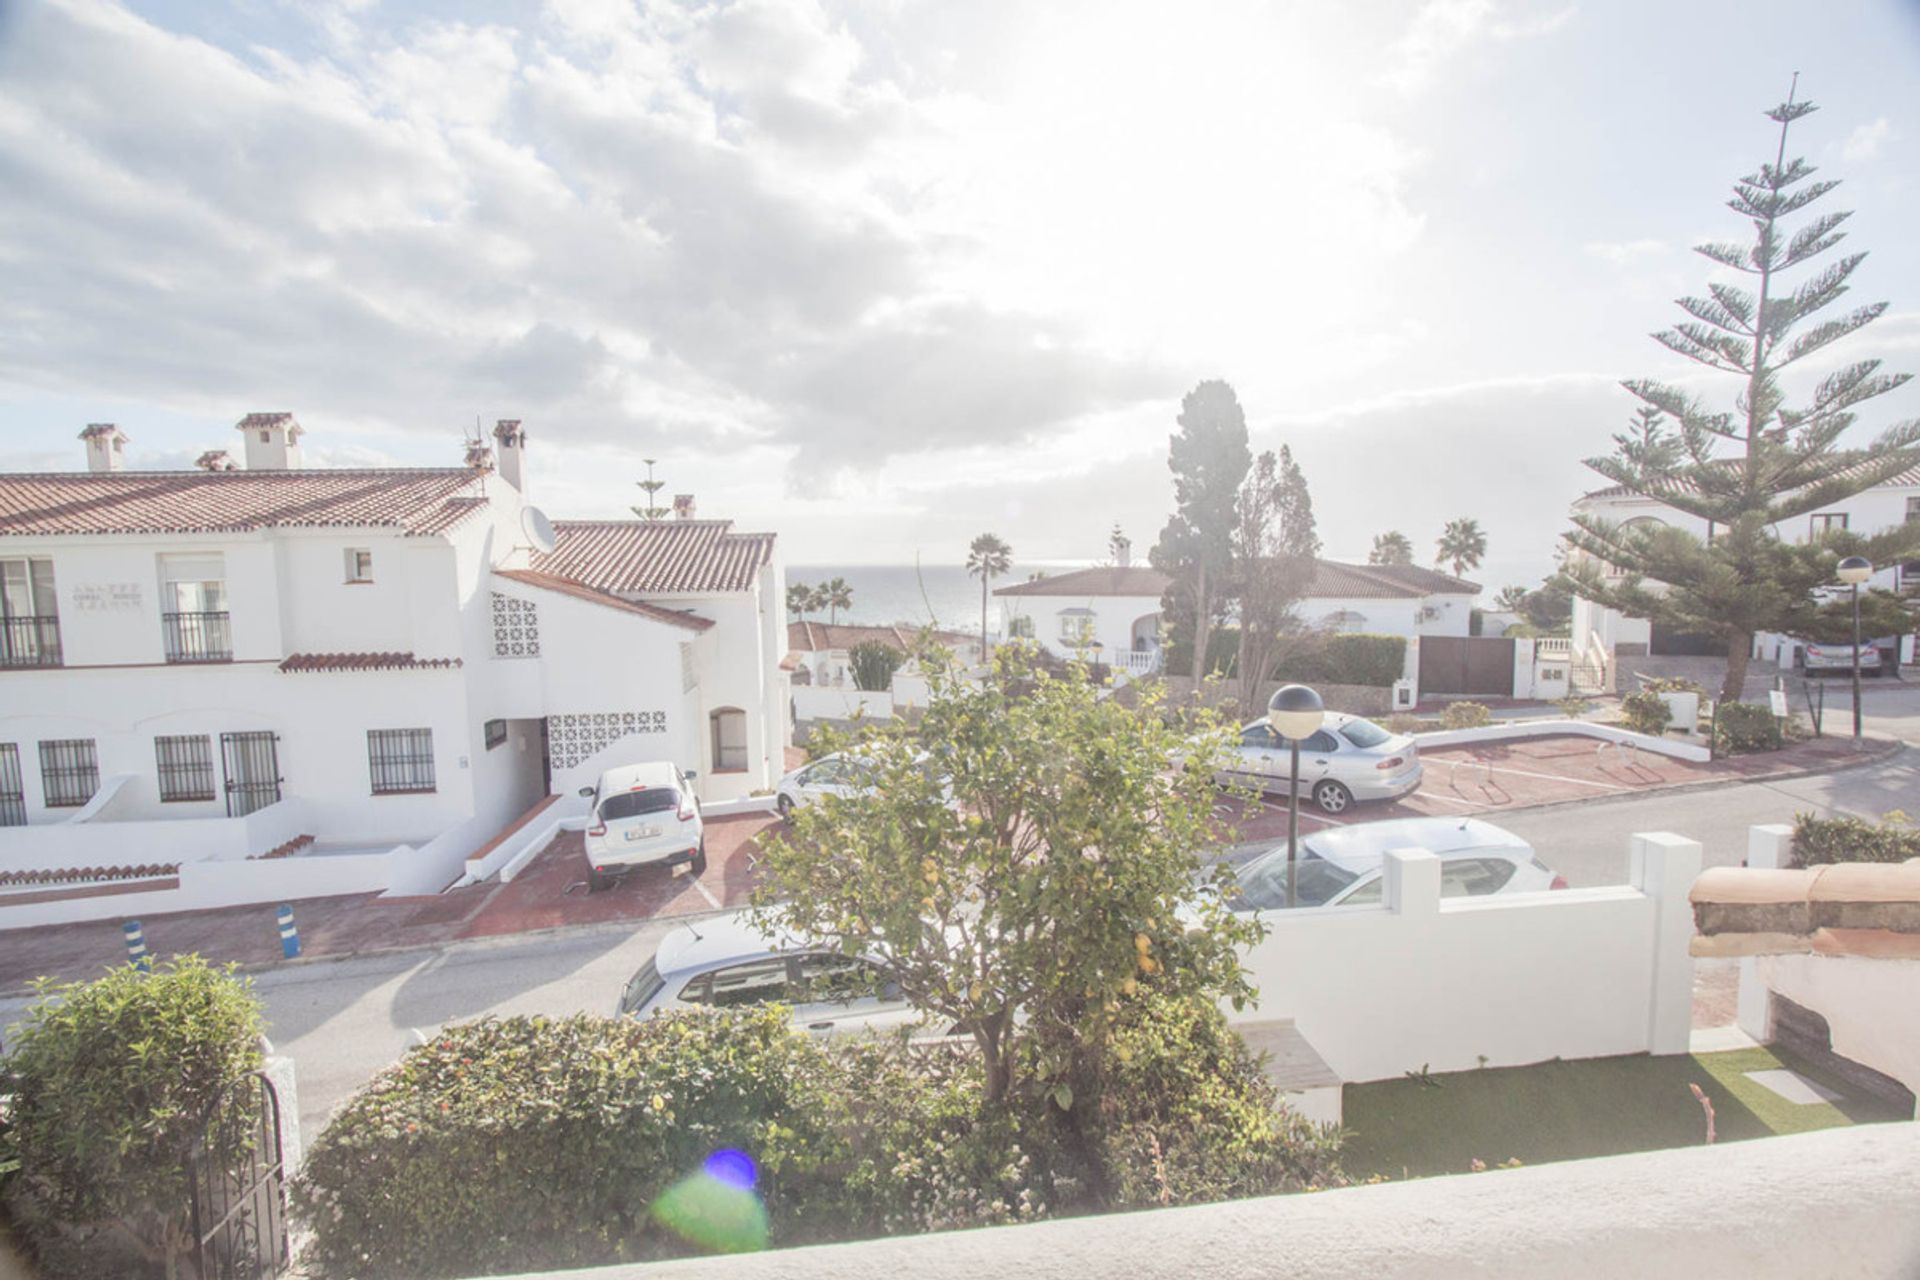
x=1102, y=580
x=593, y=595
x=415, y=501
x=816, y=637
x=1910, y=478
x=656, y=557
x=89, y=875
x=365, y=662
x=1331, y=580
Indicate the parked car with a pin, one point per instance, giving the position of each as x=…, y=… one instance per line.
x=1815, y=659
x=726, y=962
x=1348, y=759
x=643, y=815
x=1346, y=866
x=833, y=775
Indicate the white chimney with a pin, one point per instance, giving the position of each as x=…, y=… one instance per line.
x=510, y=440
x=479, y=456
x=105, y=443
x=1123, y=551
x=273, y=441
x=683, y=506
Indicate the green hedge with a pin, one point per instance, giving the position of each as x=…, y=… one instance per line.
x=1357, y=658
x=1746, y=726
x=1819, y=840
x=1645, y=712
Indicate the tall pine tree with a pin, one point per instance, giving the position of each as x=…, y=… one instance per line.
x=1209, y=458
x=1749, y=472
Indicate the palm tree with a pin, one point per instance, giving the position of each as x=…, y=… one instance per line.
x=799, y=600
x=1391, y=547
x=1461, y=545
x=987, y=558
x=836, y=595
x=1512, y=599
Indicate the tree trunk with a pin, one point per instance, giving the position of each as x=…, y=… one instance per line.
x=1739, y=651
x=988, y=1035
x=1200, y=617
x=983, y=617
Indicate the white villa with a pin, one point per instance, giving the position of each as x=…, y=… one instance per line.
x=820, y=652
x=373, y=671
x=1111, y=614
x=1604, y=633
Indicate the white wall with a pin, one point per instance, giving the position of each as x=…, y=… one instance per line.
x=1501, y=980
x=1113, y=620
x=812, y=703
x=1399, y=616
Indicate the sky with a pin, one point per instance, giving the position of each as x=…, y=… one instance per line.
x=884, y=274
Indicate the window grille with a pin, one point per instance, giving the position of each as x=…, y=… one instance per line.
x=185, y=765
x=400, y=760
x=13, y=788
x=496, y=731
x=69, y=772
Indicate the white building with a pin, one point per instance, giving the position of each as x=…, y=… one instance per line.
x=823, y=650
x=388, y=666
x=1112, y=614
x=1608, y=632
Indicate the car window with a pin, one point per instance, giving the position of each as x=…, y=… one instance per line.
x=824, y=774
x=642, y=987
x=1321, y=742
x=825, y=977
x=631, y=804
x=1364, y=733
x=756, y=982
x=1263, y=882
x=1367, y=894
x=1471, y=877
x=1259, y=735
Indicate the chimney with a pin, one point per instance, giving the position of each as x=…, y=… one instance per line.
x=273, y=441
x=1123, y=552
x=215, y=460
x=479, y=456
x=511, y=441
x=104, y=444
x=683, y=506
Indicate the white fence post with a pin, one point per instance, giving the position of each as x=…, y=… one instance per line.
x=1413, y=882
x=1769, y=846
x=1664, y=868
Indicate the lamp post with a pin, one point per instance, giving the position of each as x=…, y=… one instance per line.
x=1853, y=571
x=1294, y=712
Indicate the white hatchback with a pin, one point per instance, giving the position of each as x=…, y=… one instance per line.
x=643, y=815
x=834, y=775
x=1346, y=867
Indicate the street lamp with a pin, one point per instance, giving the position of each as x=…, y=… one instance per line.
x=1853, y=571
x=1294, y=712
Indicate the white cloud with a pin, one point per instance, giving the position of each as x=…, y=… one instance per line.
x=1864, y=142
x=1621, y=253
x=1441, y=29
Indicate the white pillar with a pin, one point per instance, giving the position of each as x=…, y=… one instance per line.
x=1412, y=882
x=1768, y=846
x=1664, y=868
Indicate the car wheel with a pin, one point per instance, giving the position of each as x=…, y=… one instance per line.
x=1332, y=797
x=783, y=806
x=699, y=863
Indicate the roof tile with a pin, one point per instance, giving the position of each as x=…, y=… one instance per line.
x=414, y=501
x=656, y=557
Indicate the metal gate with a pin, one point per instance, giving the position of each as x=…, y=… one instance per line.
x=13, y=791
x=237, y=1179
x=1480, y=665
x=253, y=771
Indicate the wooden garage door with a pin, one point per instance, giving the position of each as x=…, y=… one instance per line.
x=1481, y=665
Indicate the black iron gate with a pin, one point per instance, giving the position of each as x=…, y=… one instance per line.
x=237, y=1178
x=253, y=771
x=1480, y=665
x=13, y=791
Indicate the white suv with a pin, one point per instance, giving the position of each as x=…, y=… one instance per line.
x=643, y=815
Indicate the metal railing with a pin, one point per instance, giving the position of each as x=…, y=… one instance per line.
x=31, y=640
x=197, y=637
x=1139, y=662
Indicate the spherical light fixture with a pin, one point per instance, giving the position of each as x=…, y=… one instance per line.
x=1295, y=711
x=1855, y=570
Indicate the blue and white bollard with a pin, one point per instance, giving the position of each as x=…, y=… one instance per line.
x=137, y=946
x=289, y=936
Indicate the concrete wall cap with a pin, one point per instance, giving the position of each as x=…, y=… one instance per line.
x=1868, y=882
x=1749, y=886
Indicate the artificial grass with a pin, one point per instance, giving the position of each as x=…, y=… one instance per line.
x=1571, y=1110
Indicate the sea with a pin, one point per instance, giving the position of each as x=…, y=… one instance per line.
x=942, y=595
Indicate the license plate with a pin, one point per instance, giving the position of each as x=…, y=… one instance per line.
x=642, y=833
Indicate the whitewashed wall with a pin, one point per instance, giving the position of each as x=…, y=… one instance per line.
x=813, y=703
x=1113, y=619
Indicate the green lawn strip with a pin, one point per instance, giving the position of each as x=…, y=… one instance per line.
x=1572, y=1110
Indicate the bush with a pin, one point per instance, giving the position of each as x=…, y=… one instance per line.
x=112, y=1084
x=531, y=1144
x=1817, y=840
x=1746, y=726
x=1574, y=706
x=1645, y=712
x=1402, y=722
x=1674, y=684
x=873, y=665
x=1465, y=715
x=1376, y=661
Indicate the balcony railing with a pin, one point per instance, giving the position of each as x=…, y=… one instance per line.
x=30, y=641
x=197, y=637
x=1139, y=662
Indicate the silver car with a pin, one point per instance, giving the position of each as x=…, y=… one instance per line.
x=1349, y=758
x=1345, y=867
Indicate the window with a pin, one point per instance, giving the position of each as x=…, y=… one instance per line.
x=729, y=731
x=1367, y=895
x=400, y=761
x=1826, y=522
x=1364, y=733
x=1321, y=742
x=359, y=564
x=687, y=677
x=265, y=438
x=185, y=767
x=1259, y=735
x=1344, y=620
x=1076, y=626
x=634, y=804
x=1913, y=510
x=824, y=978
x=1471, y=877
x=643, y=987
x=29, y=613
x=496, y=733
x=1021, y=627
x=13, y=788
x=193, y=608
x=69, y=772
x=756, y=982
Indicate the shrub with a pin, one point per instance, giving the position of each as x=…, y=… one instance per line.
x=1574, y=706
x=1465, y=715
x=1674, y=684
x=1746, y=726
x=1819, y=840
x=527, y=1144
x=113, y=1081
x=1644, y=711
x=1376, y=661
x=1402, y=722
x=873, y=665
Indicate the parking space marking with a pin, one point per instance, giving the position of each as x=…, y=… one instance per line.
x=1556, y=777
x=1435, y=795
x=707, y=894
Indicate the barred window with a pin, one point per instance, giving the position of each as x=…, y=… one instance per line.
x=496, y=731
x=13, y=790
x=69, y=772
x=186, y=767
x=400, y=761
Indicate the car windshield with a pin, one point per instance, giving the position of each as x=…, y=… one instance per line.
x=641, y=988
x=1364, y=733
x=1263, y=882
x=631, y=804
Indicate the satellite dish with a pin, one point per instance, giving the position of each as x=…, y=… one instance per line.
x=539, y=529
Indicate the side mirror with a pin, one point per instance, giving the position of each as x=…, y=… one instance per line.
x=587, y=792
x=689, y=774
